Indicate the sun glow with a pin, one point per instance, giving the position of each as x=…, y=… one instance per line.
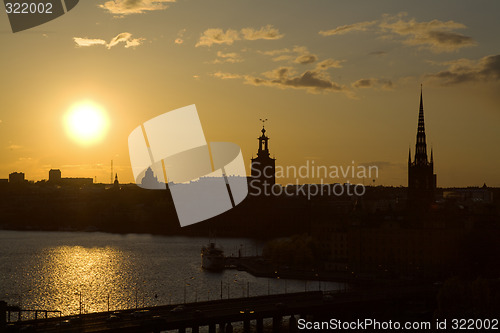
x=86, y=123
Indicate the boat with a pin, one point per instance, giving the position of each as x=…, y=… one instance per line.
x=212, y=258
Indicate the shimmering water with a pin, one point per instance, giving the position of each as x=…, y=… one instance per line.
x=88, y=272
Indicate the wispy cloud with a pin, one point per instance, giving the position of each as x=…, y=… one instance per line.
x=329, y=63
x=486, y=69
x=127, y=7
x=273, y=53
x=226, y=76
x=231, y=57
x=373, y=83
x=13, y=146
x=315, y=80
x=298, y=55
x=285, y=77
x=306, y=59
x=437, y=36
x=89, y=41
x=343, y=29
x=124, y=37
x=267, y=32
x=218, y=36
x=283, y=57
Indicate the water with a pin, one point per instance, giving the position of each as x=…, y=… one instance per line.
x=87, y=272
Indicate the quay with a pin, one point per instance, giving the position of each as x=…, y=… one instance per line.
x=260, y=267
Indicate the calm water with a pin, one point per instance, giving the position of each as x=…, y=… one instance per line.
x=50, y=270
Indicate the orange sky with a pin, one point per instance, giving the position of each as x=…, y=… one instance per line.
x=339, y=82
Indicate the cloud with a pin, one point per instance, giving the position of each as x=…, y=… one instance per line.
x=315, y=80
x=329, y=63
x=437, y=36
x=226, y=76
x=126, y=7
x=373, y=83
x=283, y=57
x=273, y=53
x=231, y=58
x=267, y=32
x=13, y=147
x=218, y=36
x=88, y=41
x=306, y=59
x=178, y=41
x=486, y=69
x=343, y=29
x=124, y=37
x=284, y=77
x=298, y=55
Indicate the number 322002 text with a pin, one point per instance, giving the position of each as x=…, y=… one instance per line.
x=28, y=8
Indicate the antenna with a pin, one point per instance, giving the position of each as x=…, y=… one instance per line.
x=263, y=121
x=111, y=177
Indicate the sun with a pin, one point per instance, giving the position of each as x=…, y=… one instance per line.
x=86, y=122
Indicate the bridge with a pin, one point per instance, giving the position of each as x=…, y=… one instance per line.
x=250, y=312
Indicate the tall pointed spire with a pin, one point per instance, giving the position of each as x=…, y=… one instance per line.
x=421, y=124
x=421, y=177
x=421, y=146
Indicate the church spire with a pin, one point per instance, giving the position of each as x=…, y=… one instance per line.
x=421, y=177
x=421, y=146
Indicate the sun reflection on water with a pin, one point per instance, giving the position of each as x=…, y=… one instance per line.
x=71, y=273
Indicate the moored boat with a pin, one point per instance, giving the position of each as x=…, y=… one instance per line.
x=212, y=257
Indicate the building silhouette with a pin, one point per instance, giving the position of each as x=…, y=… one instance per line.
x=55, y=176
x=16, y=178
x=150, y=181
x=263, y=166
x=421, y=177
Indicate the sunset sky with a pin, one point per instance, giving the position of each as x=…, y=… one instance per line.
x=339, y=82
